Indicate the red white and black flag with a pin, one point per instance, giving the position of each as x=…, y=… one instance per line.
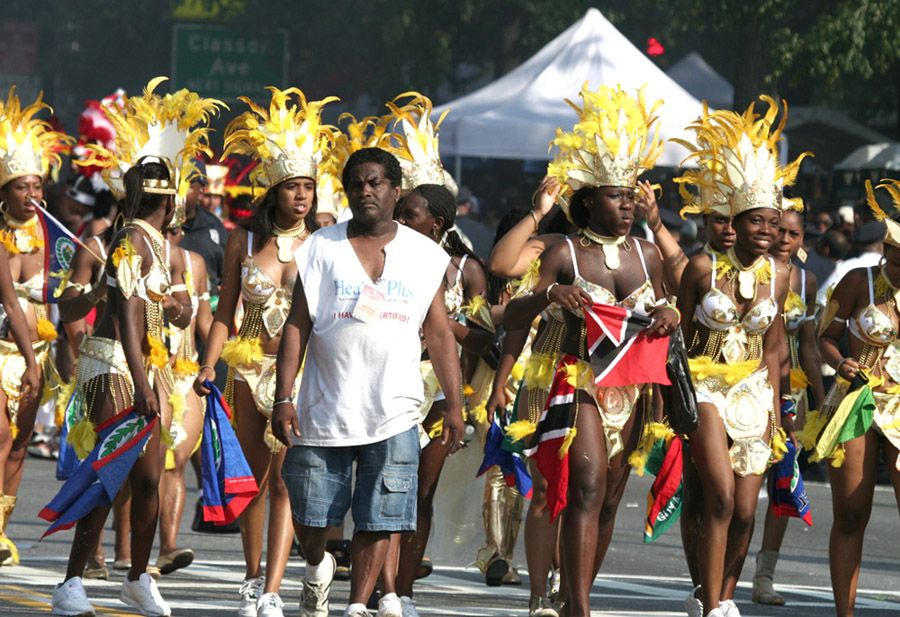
x=621, y=352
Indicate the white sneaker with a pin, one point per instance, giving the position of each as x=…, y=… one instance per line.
x=716, y=612
x=389, y=606
x=70, y=598
x=360, y=612
x=251, y=591
x=692, y=603
x=314, y=597
x=269, y=605
x=408, y=607
x=729, y=608
x=143, y=594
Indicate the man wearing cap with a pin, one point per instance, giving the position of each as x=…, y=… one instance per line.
x=203, y=232
x=867, y=248
x=478, y=235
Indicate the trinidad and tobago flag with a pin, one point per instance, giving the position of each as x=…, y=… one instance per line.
x=97, y=480
x=786, y=492
x=515, y=472
x=228, y=483
x=621, y=352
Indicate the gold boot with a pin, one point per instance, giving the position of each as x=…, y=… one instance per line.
x=763, y=592
x=514, y=507
x=9, y=554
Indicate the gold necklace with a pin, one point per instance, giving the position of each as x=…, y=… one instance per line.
x=747, y=276
x=284, y=240
x=610, y=245
x=156, y=237
x=21, y=236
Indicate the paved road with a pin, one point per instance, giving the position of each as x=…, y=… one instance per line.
x=638, y=579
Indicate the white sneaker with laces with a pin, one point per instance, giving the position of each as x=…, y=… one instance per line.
x=70, y=599
x=251, y=591
x=314, y=597
x=408, y=607
x=692, y=603
x=389, y=606
x=143, y=594
x=270, y=605
x=729, y=608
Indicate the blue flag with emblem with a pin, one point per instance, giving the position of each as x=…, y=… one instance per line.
x=97, y=480
x=228, y=483
x=514, y=469
x=60, y=248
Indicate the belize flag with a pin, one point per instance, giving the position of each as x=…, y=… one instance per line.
x=61, y=245
x=97, y=480
x=515, y=472
x=621, y=351
x=228, y=483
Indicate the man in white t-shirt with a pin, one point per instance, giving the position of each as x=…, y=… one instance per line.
x=365, y=288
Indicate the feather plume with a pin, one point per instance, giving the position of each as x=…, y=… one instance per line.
x=28, y=146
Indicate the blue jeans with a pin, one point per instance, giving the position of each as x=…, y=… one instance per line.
x=319, y=482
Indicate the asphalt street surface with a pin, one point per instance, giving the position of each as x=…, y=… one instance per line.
x=637, y=578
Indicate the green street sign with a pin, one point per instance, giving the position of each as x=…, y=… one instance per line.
x=222, y=63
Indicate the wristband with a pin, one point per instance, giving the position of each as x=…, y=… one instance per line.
x=552, y=285
x=837, y=369
x=677, y=312
x=212, y=368
x=282, y=401
x=536, y=221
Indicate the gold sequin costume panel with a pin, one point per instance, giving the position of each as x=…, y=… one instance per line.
x=12, y=368
x=102, y=368
x=729, y=372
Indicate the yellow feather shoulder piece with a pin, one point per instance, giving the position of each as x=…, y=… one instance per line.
x=479, y=312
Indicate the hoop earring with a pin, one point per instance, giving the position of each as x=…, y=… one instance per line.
x=120, y=218
x=3, y=207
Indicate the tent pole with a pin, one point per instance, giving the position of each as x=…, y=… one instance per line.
x=457, y=170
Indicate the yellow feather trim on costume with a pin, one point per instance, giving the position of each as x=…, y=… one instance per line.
x=437, y=429
x=478, y=311
x=799, y=380
x=125, y=251
x=837, y=456
x=778, y=445
x=653, y=432
x=14, y=431
x=528, y=281
x=794, y=302
x=479, y=414
x=520, y=429
x=468, y=390
x=579, y=375
x=895, y=389
x=567, y=442
x=186, y=366
x=517, y=372
x=891, y=426
x=176, y=402
x=62, y=401
x=703, y=367
x=814, y=423
x=46, y=330
x=539, y=371
x=166, y=437
x=242, y=351
x=82, y=437
x=159, y=355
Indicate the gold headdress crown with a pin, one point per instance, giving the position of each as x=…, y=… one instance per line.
x=215, y=179
x=611, y=144
x=289, y=140
x=151, y=127
x=329, y=189
x=417, y=148
x=708, y=199
x=892, y=186
x=27, y=145
x=737, y=156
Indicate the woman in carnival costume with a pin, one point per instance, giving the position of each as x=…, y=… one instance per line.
x=289, y=142
x=599, y=163
x=27, y=149
x=187, y=407
x=124, y=362
x=732, y=306
x=429, y=208
x=860, y=421
x=805, y=372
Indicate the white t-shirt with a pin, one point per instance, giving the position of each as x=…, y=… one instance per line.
x=361, y=382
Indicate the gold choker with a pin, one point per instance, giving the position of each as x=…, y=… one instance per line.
x=610, y=245
x=284, y=240
x=20, y=236
x=748, y=276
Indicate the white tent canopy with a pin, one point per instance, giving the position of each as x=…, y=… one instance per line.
x=516, y=116
x=700, y=79
x=880, y=156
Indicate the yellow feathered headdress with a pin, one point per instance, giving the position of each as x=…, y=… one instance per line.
x=705, y=154
x=289, y=140
x=165, y=127
x=611, y=144
x=737, y=156
x=27, y=145
x=892, y=186
x=417, y=148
